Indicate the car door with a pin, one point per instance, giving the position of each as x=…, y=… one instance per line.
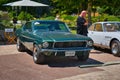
x=27, y=35
x=96, y=33
x=109, y=33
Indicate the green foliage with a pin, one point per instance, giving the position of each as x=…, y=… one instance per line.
x=101, y=10
x=7, y=24
x=101, y=18
x=18, y=26
x=70, y=7
x=21, y=16
x=29, y=16
x=60, y=7
x=5, y=20
x=25, y=16
x=4, y=15
x=3, y=1
x=113, y=18
x=48, y=18
x=12, y=14
x=73, y=31
x=69, y=19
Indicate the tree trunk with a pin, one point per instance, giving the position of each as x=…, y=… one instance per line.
x=89, y=11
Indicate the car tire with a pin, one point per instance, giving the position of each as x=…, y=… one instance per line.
x=20, y=46
x=115, y=48
x=38, y=57
x=83, y=56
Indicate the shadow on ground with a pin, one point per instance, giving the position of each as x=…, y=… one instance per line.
x=71, y=62
x=102, y=50
x=55, y=61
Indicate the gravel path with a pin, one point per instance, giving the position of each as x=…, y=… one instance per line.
x=111, y=72
x=108, y=73
x=8, y=49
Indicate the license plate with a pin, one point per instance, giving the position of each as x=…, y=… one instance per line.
x=70, y=53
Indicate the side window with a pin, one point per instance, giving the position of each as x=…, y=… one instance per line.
x=63, y=27
x=91, y=28
x=118, y=28
x=98, y=27
x=28, y=27
x=111, y=27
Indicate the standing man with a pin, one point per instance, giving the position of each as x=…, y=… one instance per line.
x=15, y=22
x=82, y=24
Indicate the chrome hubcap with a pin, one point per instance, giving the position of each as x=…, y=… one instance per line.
x=114, y=48
x=18, y=44
x=35, y=54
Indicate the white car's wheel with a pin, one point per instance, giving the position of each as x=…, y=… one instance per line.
x=38, y=57
x=115, y=48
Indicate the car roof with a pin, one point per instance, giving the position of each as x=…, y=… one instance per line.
x=45, y=21
x=108, y=22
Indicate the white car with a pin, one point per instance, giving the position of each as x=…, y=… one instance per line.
x=106, y=35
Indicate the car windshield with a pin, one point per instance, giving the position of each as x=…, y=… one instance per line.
x=112, y=27
x=50, y=26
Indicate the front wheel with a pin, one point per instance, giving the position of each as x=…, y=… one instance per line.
x=38, y=57
x=115, y=48
x=83, y=56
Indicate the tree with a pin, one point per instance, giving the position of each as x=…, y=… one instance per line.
x=71, y=7
x=89, y=11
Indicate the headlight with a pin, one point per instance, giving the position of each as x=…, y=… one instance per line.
x=45, y=44
x=89, y=43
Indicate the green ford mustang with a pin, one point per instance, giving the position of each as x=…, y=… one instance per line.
x=52, y=38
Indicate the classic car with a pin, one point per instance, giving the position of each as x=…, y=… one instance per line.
x=106, y=35
x=52, y=38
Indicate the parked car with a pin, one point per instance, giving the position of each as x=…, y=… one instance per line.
x=106, y=35
x=52, y=38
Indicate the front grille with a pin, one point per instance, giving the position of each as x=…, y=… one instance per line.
x=69, y=44
x=50, y=45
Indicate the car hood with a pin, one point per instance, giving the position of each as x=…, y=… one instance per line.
x=61, y=36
